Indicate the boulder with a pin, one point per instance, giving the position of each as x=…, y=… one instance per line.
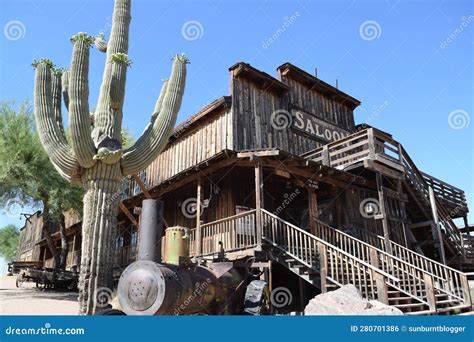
x=347, y=300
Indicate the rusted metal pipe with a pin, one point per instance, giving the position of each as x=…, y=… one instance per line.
x=151, y=230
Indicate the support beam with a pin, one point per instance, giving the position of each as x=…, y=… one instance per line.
x=128, y=214
x=437, y=236
x=313, y=211
x=386, y=233
x=142, y=186
x=258, y=200
x=198, y=216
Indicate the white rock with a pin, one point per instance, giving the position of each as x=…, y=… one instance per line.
x=347, y=300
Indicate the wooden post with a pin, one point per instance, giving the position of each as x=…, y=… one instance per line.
x=430, y=294
x=270, y=283
x=403, y=210
x=465, y=289
x=370, y=136
x=382, y=294
x=258, y=201
x=466, y=225
x=437, y=232
x=386, y=233
x=198, y=217
x=313, y=211
x=326, y=158
x=374, y=258
x=323, y=264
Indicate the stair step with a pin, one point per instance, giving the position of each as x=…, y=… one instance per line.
x=422, y=312
x=399, y=298
x=452, y=308
x=447, y=301
x=409, y=305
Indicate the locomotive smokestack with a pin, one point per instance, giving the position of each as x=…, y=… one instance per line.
x=151, y=230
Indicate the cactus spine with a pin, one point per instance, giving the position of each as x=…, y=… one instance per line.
x=94, y=156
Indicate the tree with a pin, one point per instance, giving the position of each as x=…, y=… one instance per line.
x=28, y=177
x=95, y=156
x=8, y=241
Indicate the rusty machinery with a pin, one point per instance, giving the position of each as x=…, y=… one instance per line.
x=176, y=285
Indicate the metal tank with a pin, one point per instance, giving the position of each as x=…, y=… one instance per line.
x=177, y=286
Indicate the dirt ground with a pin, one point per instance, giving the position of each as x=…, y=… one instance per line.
x=28, y=300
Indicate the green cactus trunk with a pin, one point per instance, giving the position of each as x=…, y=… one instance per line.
x=94, y=156
x=101, y=201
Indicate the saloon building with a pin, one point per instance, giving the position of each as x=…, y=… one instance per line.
x=279, y=171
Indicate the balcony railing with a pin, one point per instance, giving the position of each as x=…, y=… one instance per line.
x=230, y=234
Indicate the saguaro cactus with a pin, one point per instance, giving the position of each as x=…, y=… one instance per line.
x=94, y=156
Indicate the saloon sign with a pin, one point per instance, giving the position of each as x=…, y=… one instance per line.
x=316, y=128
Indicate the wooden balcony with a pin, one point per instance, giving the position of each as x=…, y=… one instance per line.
x=372, y=148
x=232, y=234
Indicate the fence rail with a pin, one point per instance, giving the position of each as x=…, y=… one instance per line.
x=230, y=234
x=411, y=267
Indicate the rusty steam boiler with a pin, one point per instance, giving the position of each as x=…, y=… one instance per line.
x=176, y=285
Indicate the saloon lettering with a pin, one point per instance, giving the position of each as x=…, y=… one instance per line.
x=317, y=128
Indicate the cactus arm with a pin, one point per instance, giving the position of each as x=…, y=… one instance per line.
x=65, y=87
x=79, y=120
x=56, y=93
x=153, y=141
x=100, y=42
x=51, y=136
x=108, y=115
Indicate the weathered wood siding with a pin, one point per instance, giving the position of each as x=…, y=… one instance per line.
x=334, y=112
x=30, y=234
x=253, y=106
x=209, y=138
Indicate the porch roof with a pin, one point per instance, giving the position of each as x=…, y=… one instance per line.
x=271, y=158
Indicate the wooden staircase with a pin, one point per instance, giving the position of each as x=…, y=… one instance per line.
x=333, y=259
x=370, y=147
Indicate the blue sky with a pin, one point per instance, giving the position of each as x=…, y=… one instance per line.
x=394, y=56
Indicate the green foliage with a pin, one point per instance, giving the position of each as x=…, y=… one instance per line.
x=128, y=139
x=26, y=173
x=44, y=61
x=121, y=58
x=82, y=36
x=9, y=236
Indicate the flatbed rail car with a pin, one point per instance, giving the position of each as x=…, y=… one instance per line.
x=48, y=278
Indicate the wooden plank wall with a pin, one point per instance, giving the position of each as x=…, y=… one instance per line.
x=252, y=109
x=30, y=234
x=312, y=101
x=209, y=138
